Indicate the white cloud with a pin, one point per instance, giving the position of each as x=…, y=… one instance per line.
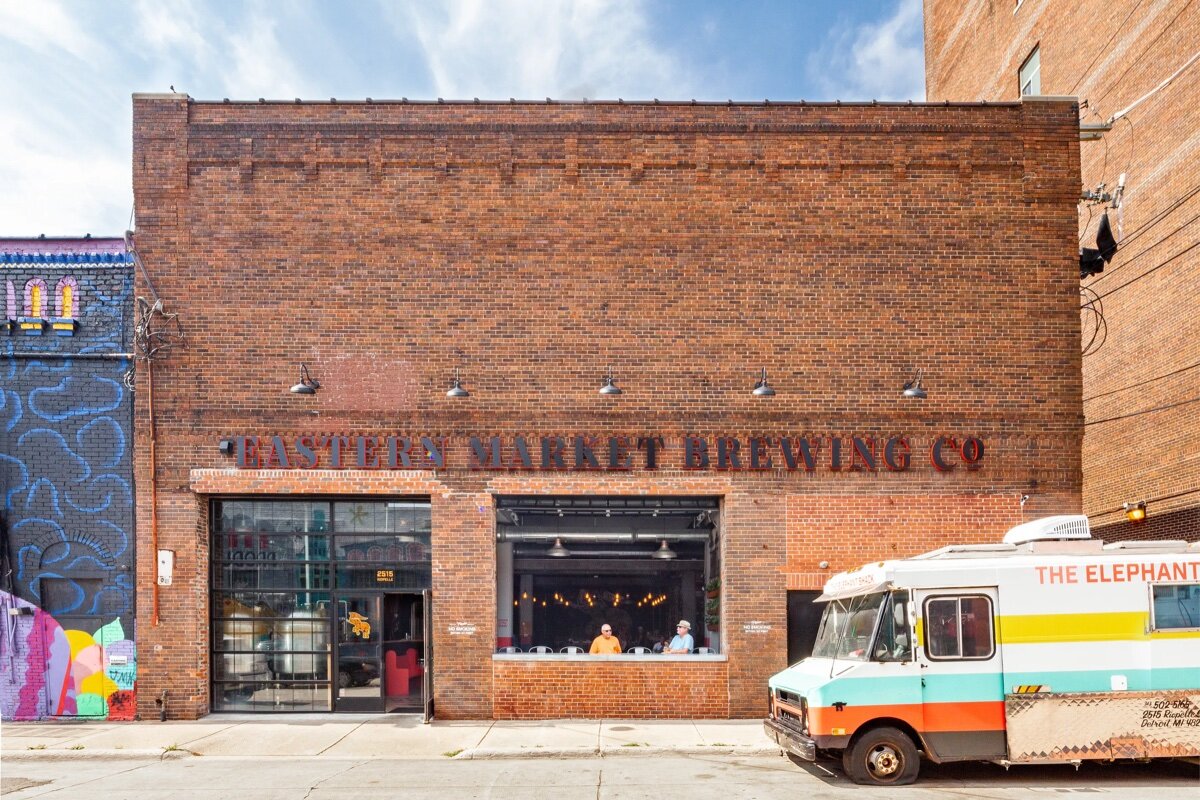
x=876, y=61
x=45, y=27
x=258, y=64
x=64, y=165
x=530, y=49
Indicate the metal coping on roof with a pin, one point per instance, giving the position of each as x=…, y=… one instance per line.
x=65, y=258
x=621, y=102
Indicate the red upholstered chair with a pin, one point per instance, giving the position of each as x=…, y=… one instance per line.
x=414, y=668
x=395, y=676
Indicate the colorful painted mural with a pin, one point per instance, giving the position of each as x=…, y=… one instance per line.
x=61, y=672
x=66, y=495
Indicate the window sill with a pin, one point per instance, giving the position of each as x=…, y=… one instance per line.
x=607, y=659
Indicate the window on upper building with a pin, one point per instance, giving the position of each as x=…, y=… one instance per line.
x=1030, y=74
x=35, y=298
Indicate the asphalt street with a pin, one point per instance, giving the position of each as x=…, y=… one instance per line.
x=692, y=777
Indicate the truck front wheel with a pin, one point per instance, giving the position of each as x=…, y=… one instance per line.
x=882, y=757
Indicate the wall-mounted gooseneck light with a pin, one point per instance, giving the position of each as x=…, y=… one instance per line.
x=307, y=384
x=456, y=388
x=913, y=388
x=762, y=389
x=609, y=386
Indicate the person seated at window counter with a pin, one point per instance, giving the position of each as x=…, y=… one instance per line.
x=605, y=644
x=682, y=643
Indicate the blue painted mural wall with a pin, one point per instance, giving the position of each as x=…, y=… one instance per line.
x=67, y=603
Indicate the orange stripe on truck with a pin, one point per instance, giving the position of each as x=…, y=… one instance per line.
x=924, y=717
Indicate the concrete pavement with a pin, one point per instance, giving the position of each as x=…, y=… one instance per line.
x=667, y=777
x=379, y=736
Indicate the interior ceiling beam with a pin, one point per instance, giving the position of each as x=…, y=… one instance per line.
x=604, y=566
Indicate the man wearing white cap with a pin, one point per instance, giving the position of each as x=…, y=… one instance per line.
x=682, y=643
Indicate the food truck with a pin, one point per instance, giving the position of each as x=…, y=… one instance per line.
x=1048, y=647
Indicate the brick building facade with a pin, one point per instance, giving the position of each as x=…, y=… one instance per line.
x=67, y=544
x=536, y=247
x=1140, y=374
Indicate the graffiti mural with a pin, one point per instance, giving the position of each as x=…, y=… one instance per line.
x=67, y=615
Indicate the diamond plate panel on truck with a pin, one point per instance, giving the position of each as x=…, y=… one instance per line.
x=1067, y=727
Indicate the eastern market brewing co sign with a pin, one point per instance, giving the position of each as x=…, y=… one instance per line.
x=609, y=453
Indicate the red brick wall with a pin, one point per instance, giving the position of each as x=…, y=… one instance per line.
x=848, y=531
x=612, y=690
x=1142, y=387
x=1183, y=524
x=384, y=245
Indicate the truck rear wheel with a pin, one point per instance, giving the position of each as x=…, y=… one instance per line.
x=882, y=757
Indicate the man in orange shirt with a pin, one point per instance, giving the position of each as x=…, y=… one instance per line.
x=605, y=644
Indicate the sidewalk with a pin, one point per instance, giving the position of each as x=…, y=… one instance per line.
x=379, y=737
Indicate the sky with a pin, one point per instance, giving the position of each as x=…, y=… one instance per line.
x=68, y=68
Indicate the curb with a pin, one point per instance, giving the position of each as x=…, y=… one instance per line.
x=96, y=755
x=484, y=753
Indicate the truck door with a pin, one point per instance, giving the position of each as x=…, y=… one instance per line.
x=962, y=680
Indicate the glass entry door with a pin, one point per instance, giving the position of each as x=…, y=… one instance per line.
x=359, y=623
x=405, y=664
x=382, y=659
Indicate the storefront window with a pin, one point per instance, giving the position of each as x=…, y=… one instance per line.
x=278, y=568
x=568, y=567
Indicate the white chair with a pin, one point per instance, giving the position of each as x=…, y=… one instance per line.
x=542, y=649
x=509, y=650
x=703, y=651
x=572, y=649
x=638, y=651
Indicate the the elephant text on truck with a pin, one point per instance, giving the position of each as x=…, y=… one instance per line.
x=1050, y=647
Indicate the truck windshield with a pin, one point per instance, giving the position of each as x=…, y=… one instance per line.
x=847, y=627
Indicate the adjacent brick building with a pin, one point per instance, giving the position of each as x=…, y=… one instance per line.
x=67, y=545
x=1141, y=370
x=535, y=250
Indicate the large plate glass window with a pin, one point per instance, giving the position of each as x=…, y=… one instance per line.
x=278, y=569
x=567, y=567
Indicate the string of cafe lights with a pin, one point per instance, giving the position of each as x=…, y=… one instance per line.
x=651, y=600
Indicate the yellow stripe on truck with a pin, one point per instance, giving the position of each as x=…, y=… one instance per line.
x=1114, y=626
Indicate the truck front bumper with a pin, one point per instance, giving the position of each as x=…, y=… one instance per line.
x=795, y=743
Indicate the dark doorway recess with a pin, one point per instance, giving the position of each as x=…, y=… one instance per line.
x=804, y=617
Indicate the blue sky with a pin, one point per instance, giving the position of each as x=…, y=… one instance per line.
x=69, y=67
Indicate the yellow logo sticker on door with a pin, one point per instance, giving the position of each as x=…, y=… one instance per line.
x=360, y=624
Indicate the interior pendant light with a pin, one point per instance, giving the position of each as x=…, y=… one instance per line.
x=913, y=387
x=307, y=384
x=761, y=389
x=664, y=551
x=609, y=387
x=557, y=550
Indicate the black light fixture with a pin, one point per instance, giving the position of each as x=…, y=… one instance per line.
x=664, y=551
x=456, y=389
x=913, y=387
x=557, y=550
x=609, y=387
x=761, y=389
x=307, y=384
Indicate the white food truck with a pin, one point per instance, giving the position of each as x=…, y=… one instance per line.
x=1049, y=647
